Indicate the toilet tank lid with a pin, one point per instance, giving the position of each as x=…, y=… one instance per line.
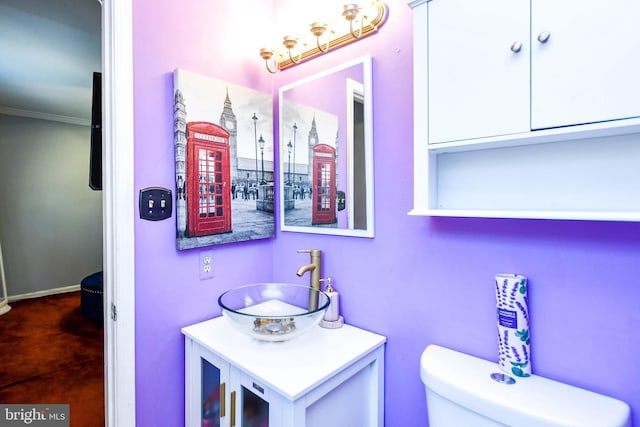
x=533, y=401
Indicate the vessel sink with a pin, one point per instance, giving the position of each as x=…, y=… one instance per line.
x=273, y=311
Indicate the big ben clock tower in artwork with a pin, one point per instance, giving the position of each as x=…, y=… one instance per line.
x=313, y=140
x=230, y=123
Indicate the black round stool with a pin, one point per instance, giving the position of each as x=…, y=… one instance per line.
x=91, y=296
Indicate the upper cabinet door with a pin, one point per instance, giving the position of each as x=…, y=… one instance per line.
x=478, y=68
x=587, y=69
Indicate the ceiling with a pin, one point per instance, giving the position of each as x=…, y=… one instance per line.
x=49, y=51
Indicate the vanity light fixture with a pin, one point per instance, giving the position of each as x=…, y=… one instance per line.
x=366, y=19
x=267, y=55
x=318, y=29
x=350, y=14
x=290, y=42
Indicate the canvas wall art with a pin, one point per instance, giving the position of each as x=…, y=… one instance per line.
x=223, y=140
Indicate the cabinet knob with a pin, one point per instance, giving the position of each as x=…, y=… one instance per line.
x=516, y=47
x=544, y=36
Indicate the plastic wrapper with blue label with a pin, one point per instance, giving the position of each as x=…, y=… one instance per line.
x=512, y=315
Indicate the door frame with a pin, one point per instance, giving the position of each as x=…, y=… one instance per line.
x=118, y=212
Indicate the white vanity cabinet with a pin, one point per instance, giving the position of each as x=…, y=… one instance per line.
x=327, y=377
x=498, y=67
x=527, y=109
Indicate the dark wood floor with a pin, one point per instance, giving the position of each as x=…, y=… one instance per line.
x=51, y=354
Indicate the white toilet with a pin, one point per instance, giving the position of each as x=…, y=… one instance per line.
x=461, y=393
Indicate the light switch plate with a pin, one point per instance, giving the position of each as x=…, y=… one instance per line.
x=155, y=203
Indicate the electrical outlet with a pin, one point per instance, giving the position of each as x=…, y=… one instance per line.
x=206, y=265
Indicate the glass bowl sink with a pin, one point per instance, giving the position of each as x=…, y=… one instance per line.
x=273, y=311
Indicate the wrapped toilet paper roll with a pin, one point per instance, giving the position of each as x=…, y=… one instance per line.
x=512, y=313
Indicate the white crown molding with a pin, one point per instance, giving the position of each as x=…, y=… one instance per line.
x=44, y=116
x=414, y=3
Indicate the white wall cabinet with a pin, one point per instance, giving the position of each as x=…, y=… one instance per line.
x=527, y=109
x=499, y=67
x=477, y=85
x=586, y=71
x=325, y=377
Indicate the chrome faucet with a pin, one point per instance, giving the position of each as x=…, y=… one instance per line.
x=314, y=275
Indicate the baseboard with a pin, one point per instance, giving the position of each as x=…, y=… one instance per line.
x=44, y=293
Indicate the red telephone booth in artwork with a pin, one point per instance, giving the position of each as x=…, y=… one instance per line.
x=208, y=179
x=323, y=208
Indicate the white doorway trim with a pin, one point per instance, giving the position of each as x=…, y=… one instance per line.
x=118, y=212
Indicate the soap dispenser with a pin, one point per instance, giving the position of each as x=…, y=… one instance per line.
x=332, y=318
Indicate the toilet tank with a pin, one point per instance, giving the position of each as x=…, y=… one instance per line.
x=461, y=392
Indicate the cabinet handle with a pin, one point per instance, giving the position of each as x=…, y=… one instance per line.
x=233, y=409
x=544, y=36
x=223, y=399
x=516, y=47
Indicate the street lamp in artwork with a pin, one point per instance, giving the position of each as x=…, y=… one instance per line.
x=295, y=129
x=289, y=147
x=261, y=142
x=255, y=140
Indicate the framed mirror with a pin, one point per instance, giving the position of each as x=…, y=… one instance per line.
x=326, y=152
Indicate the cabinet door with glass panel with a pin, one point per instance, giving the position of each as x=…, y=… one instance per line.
x=220, y=395
x=207, y=403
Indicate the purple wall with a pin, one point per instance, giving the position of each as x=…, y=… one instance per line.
x=209, y=40
x=419, y=281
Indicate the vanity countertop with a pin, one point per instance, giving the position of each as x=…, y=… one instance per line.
x=291, y=367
